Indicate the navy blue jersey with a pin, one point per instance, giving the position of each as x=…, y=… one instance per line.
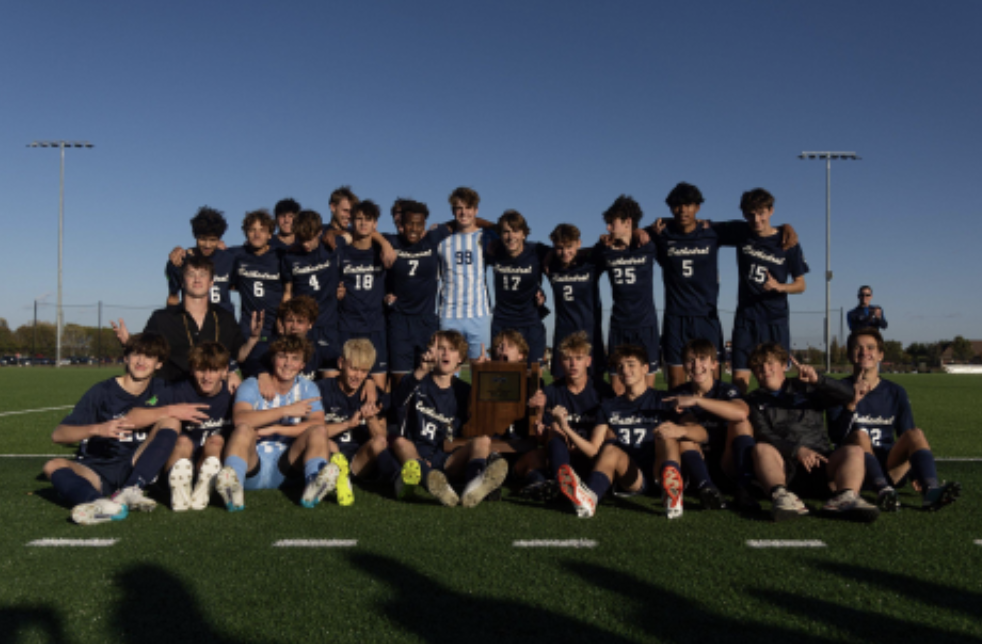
x=260, y=284
x=224, y=261
x=105, y=401
x=219, y=410
x=576, y=295
x=414, y=277
x=883, y=413
x=715, y=426
x=690, y=270
x=316, y=275
x=583, y=407
x=340, y=407
x=429, y=415
x=756, y=256
x=278, y=244
x=516, y=281
x=631, y=272
x=363, y=274
x=633, y=421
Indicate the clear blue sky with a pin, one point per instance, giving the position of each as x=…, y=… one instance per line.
x=553, y=108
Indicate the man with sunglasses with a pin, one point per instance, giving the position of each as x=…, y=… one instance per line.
x=866, y=315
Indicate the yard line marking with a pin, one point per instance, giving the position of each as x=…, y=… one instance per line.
x=31, y=411
x=785, y=543
x=978, y=542
x=956, y=459
x=316, y=543
x=68, y=455
x=555, y=543
x=72, y=543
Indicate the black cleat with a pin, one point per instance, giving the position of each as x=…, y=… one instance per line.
x=711, y=499
x=945, y=494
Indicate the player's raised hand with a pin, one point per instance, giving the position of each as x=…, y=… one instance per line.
x=561, y=414
x=389, y=299
x=256, y=324
x=117, y=428
x=860, y=389
x=659, y=226
x=810, y=458
x=540, y=298
x=642, y=237
x=789, y=236
x=301, y=408
x=370, y=410
x=221, y=245
x=189, y=413
x=771, y=284
x=483, y=357
x=877, y=312
x=806, y=372
x=122, y=333
x=538, y=400
x=234, y=380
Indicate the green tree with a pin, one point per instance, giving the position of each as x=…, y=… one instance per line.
x=893, y=352
x=961, y=349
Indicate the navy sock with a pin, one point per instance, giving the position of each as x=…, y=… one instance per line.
x=923, y=469
x=558, y=455
x=598, y=483
x=424, y=469
x=154, y=456
x=73, y=488
x=874, y=473
x=388, y=466
x=743, y=459
x=474, y=468
x=535, y=476
x=695, y=470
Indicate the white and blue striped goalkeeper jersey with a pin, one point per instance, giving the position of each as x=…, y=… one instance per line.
x=463, y=291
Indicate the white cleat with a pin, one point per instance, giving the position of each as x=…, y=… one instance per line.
x=325, y=482
x=230, y=489
x=180, y=485
x=206, y=480
x=487, y=482
x=438, y=485
x=134, y=498
x=582, y=497
x=99, y=511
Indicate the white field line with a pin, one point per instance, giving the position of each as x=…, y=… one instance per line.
x=36, y=455
x=74, y=543
x=978, y=542
x=554, y=543
x=785, y=543
x=316, y=543
x=958, y=459
x=33, y=411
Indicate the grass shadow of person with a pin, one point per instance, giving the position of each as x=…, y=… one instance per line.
x=15, y=621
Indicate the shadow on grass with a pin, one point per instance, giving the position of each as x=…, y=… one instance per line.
x=15, y=622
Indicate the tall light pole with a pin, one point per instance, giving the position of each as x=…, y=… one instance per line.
x=61, y=227
x=828, y=156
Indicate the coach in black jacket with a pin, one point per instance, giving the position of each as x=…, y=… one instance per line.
x=788, y=417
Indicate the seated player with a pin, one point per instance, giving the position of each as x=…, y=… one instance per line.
x=115, y=461
x=311, y=269
x=792, y=445
x=718, y=407
x=276, y=442
x=200, y=411
x=638, y=422
x=879, y=420
x=355, y=427
x=571, y=405
x=432, y=406
x=208, y=226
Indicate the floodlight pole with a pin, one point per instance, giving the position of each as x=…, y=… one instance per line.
x=59, y=316
x=828, y=156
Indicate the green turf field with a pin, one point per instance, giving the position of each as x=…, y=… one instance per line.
x=421, y=572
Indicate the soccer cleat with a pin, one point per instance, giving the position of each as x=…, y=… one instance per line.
x=206, y=480
x=408, y=480
x=887, y=500
x=671, y=498
x=325, y=482
x=495, y=494
x=786, y=505
x=230, y=489
x=542, y=491
x=438, y=485
x=849, y=505
x=99, y=511
x=486, y=482
x=346, y=495
x=180, y=485
x=711, y=499
x=744, y=500
x=936, y=498
x=134, y=498
x=583, y=498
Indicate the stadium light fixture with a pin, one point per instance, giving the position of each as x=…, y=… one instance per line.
x=60, y=318
x=828, y=156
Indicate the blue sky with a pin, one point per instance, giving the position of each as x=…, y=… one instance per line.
x=552, y=108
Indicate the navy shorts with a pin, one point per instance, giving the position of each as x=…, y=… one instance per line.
x=377, y=339
x=748, y=334
x=349, y=449
x=810, y=485
x=646, y=337
x=534, y=334
x=408, y=337
x=435, y=455
x=597, y=367
x=113, y=473
x=679, y=330
x=882, y=454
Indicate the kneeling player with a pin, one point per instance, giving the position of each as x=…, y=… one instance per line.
x=789, y=426
x=879, y=420
x=639, y=422
x=716, y=406
x=114, y=462
x=273, y=439
x=432, y=407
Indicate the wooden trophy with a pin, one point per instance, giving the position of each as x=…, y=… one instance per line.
x=499, y=400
